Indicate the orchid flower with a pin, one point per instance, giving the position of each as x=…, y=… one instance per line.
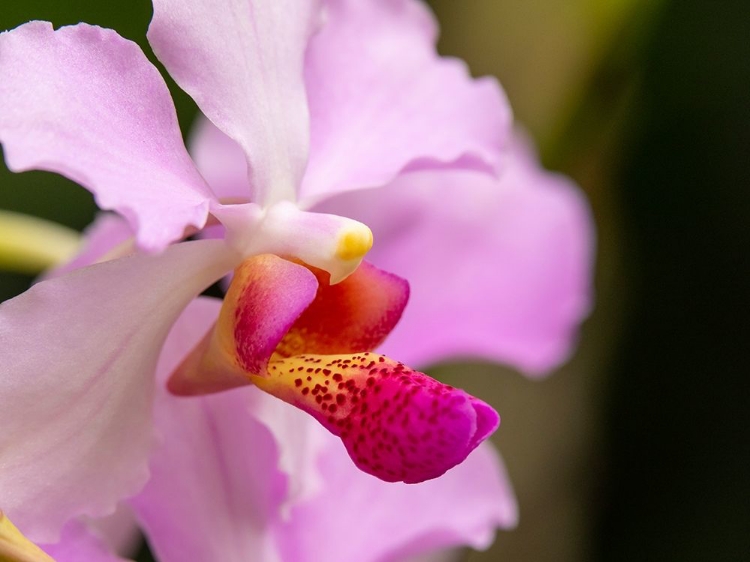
x=322, y=101
x=291, y=90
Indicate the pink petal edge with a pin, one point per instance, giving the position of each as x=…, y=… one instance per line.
x=86, y=103
x=499, y=269
x=381, y=100
x=79, y=353
x=215, y=486
x=365, y=519
x=249, y=84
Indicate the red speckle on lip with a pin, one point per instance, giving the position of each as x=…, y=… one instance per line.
x=396, y=423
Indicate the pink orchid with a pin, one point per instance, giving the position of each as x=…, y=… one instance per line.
x=322, y=101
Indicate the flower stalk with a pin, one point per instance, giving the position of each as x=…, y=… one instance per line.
x=31, y=245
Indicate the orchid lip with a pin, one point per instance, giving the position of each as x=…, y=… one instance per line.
x=396, y=423
x=289, y=331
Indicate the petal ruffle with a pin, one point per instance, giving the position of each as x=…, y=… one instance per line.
x=498, y=269
x=76, y=381
x=243, y=64
x=101, y=237
x=215, y=488
x=86, y=103
x=78, y=543
x=357, y=517
x=381, y=100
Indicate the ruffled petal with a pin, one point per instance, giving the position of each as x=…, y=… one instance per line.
x=86, y=103
x=242, y=62
x=79, y=543
x=215, y=487
x=381, y=100
x=79, y=354
x=357, y=517
x=118, y=532
x=499, y=269
x=300, y=441
x=107, y=232
x=397, y=424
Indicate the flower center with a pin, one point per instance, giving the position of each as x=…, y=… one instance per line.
x=329, y=242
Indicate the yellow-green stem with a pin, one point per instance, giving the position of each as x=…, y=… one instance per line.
x=31, y=245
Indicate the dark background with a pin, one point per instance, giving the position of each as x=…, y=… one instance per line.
x=678, y=412
x=654, y=410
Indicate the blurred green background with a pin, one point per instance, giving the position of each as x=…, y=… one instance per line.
x=638, y=449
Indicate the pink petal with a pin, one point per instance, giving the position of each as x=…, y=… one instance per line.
x=105, y=233
x=382, y=100
x=118, y=531
x=79, y=543
x=396, y=423
x=498, y=269
x=357, y=517
x=220, y=160
x=86, y=103
x=242, y=62
x=79, y=353
x=300, y=441
x=215, y=487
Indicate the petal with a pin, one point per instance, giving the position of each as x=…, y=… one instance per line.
x=79, y=353
x=86, y=103
x=250, y=83
x=220, y=160
x=118, y=531
x=300, y=441
x=381, y=100
x=215, y=486
x=499, y=269
x=396, y=423
x=368, y=520
x=79, y=543
x=105, y=233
